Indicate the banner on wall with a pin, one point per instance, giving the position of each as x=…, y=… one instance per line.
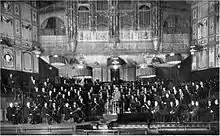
x=211, y=57
x=27, y=61
x=8, y=58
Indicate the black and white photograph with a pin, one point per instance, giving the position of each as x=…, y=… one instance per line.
x=109, y=67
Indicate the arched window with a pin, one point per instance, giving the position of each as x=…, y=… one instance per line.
x=53, y=26
x=102, y=17
x=83, y=17
x=144, y=16
x=125, y=14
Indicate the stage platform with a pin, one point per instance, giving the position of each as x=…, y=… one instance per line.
x=41, y=129
x=96, y=128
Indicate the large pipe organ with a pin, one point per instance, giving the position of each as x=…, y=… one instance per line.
x=107, y=28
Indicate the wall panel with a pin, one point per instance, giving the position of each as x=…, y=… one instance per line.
x=18, y=59
x=104, y=74
x=108, y=74
x=131, y=74
x=82, y=72
x=97, y=74
x=1, y=51
x=211, y=57
x=35, y=64
x=6, y=25
x=7, y=7
x=27, y=61
x=34, y=16
x=145, y=71
x=194, y=62
x=26, y=30
x=34, y=33
x=8, y=58
x=217, y=55
x=17, y=9
x=17, y=28
x=25, y=12
x=122, y=73
x=203, y=60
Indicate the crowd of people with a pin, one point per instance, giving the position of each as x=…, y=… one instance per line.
x=49, y=102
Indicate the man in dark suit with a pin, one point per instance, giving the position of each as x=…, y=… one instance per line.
x=45, y=113
x=204, y=91
x=66, y=110
x=32, y=84
x=215, y=109
x=36, y=117
x=27, y=113
x=82, y=108
x=10, y=111
x=17, y=114
x=95, y=108
x=54, y=112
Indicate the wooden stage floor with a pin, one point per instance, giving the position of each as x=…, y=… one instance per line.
x=121, y=129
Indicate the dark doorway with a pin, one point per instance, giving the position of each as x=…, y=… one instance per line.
x=115, y=74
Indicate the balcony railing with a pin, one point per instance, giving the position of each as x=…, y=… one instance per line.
x=53, y=31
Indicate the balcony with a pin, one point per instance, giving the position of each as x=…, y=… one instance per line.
x=54, y=44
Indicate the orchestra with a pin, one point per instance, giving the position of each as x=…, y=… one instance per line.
x=56, y=103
